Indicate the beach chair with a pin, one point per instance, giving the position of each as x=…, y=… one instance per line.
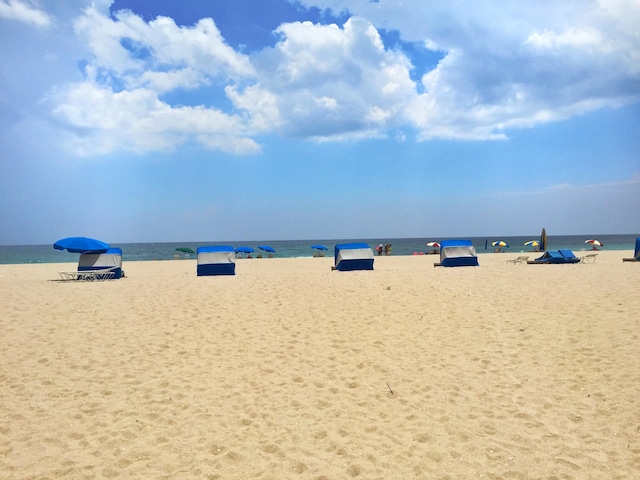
x=520, y=259
x=89, y=275
x=590, y=258
x=555, y=257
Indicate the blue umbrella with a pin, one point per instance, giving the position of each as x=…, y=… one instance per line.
x=244, y=250
x=319, y=247
x=81, y=245
x=267, y=248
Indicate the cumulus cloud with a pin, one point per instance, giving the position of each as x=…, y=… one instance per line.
x=133, y=63
x=137, y=52
x=502, y=67
x=137, y=120
x=319, y=81
x=509, y=66
x=26, y=12
x=335, y=82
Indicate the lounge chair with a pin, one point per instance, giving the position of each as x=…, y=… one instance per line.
x=89, y=275
x=590, y=258
x=555, y=257
x=520, y=259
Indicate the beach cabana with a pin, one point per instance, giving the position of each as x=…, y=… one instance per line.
x=110, y=261
x=556, y=257
x=457, y=253
x=216, y=260
x=636, y=253
x=353, y=256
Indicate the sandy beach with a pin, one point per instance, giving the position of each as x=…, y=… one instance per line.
x=291, y=370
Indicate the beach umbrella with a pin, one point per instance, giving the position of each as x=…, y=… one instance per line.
x=185, y=250
x=267, y=248
x=433, y=244
x=319, y=247
x=500, y=243
x=81, y=245
x=245, y=250
x=532, y=243
x=594, y=242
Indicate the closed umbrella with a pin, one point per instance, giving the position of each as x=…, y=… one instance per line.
x=81, y=245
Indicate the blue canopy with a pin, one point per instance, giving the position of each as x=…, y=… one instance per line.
x=267, y=248
x=109, y=260
x=353, y=256
x=244, y=250
x=319, y=247
x=81, y=245
x=216, y=260
x=457, y=253
x=557, y=257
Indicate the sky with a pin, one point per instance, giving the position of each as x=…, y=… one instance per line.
x=161, y=121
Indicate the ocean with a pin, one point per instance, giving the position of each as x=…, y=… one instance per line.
x=131, y=252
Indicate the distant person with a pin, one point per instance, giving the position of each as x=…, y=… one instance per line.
x=379, y=249
x=387, y=249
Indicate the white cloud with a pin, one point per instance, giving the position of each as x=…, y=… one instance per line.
x=127, y=47
x=512, y=65
x=26, y=12
x=137, y=120
x=585, y=38
x=333, y=82
x=119, y=107
x=502, y=68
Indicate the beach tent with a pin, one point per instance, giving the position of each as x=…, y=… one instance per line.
x=218, y=260
x=353, y=256
x=636, y=253
x=556, y=257
x=457, y=253
x=110, y=259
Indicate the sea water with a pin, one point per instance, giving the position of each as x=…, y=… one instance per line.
x=15, y=254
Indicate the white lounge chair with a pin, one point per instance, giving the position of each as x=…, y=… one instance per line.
x=590, y=258
x=89, y=275
x=520, y=259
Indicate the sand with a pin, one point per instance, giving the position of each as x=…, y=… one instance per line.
x=290, y=370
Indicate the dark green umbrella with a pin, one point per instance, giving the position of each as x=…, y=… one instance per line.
x=185, y=250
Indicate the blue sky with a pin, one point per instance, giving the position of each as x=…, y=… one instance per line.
x=151, y=121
